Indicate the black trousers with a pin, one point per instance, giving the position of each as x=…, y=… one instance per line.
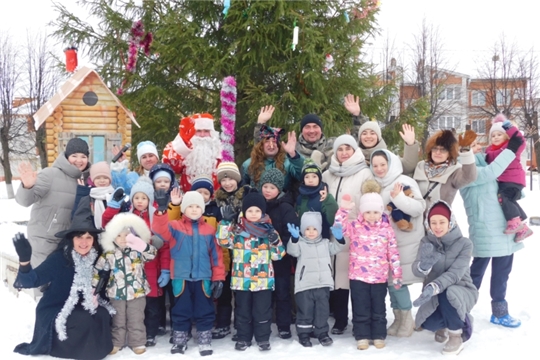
x=281, y=298
x=339, y=305
x=500, y=272
x=254, y=314
x=508, y=195
x=152, y=316
x=224, y=304
x=312, y=311
x=167, y=294
x=369, y=310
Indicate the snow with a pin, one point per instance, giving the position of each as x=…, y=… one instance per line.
x=488, y=342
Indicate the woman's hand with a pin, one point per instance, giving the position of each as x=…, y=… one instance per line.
x=115, y=151
x=290, y=145
x=352, y=104
x=27, y=174
x=265, y=114
x=396, y=190
x=408, y=134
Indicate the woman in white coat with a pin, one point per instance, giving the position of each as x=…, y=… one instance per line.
x=387, y=170
x=347, y=171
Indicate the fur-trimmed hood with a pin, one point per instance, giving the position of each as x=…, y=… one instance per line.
x=120, y=222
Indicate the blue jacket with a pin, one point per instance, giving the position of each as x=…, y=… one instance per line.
x=486, y=220
x=292, y=166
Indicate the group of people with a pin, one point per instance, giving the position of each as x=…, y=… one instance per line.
x=109, y=248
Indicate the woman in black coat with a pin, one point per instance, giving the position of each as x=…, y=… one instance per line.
x=71, y=322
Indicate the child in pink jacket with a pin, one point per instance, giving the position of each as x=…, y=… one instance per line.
x=373, y=251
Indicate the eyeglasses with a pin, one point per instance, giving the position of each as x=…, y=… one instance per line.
x=439, y=149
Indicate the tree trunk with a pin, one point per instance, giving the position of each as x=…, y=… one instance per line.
x=6, y=163
x=41, y=144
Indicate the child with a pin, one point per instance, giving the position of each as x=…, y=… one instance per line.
x=512, y=180
x=255, y=243
x=373, y=252
x=126, y=248
x=310, y=197
x=313, y=278
x=196, y=269
x=280, y=208
x=162, y=175
x=449, y=294
x=203, y=185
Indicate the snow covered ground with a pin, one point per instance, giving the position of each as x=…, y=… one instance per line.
x=488, y=341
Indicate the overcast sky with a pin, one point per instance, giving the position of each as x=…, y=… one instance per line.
x=468, y=28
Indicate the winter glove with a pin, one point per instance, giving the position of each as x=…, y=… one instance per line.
x=506, y=124
x=228, y=213
x=217, y=289
x=317, y=158
x=430, y=290
x=428, y=256
x=164, y=278
x=273, y=238
x=23, y=247
x=162, y=200
x=466, y=140
x=117, y=199
x=337, y=231
x=136, y=243
x=156, y=241
x=397, y=283
x=294, y=231
x=514, y=143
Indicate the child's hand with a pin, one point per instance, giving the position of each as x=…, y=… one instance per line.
x=176, y=196
x=397, y=283
x=346, y=202
x=135, y=243
x=293, y=230
x=514, y=143
x=324, y=193
x=117, y=199
x=337, y=231
x=396, y=190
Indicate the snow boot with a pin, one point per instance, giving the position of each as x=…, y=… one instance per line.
x=150, y=341
x=513, y=226
x=392, y=330
x=406, y=326
x=362, y=344
x=139, y=350
x=454, y=344
x=379, y=343
x=441, y=335
x=338, y=330
x=242, y=345
x=204, y=339
x=500, y=315
x=220, y=333
x=284, y=333
x=325, y=340
x=264, y=345
x=180, y=340
x=304, y=340
x=523, y=234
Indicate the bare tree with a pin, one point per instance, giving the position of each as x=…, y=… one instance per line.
x=42, y=81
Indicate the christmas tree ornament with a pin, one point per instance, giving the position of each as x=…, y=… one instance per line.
x=71, y=58
x=228, y=118
x=346, y=15
x=226, y=6
x=296, y=31
x=329, y=62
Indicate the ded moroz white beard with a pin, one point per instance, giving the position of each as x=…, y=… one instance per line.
x=203, y=158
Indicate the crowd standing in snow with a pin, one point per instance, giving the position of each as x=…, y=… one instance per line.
x=345, y=216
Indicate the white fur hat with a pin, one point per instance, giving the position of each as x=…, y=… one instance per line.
x=121, y=222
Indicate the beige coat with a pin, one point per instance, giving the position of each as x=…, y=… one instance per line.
x=339, y=186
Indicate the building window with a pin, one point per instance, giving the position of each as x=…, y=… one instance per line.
x=450, y=93
x=478, y=98
x=503, y=97
x=479, y=126
x=449, y=123
x=99, y=144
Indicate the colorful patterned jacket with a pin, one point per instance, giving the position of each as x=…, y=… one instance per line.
x=373, y=249
x=252, y=268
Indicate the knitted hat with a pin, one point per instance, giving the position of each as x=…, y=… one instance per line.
x=143, y=185
x=272, y=176
x=311, y=168
x=345, y=140
x=192, y=198
x=497, y=124
x=146, y=147
x=203, y=182
x=161, y=173
x=253, y=198
x=101, y=168
x=230, y=170
x=311, y=218
x=370, y=125
x=76, y=146
x=311, y=119
x=371, y=202
x=440, y=209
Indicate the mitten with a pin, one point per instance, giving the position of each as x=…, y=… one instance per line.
x=217, y=289
x=164, y=278
x=228, y=213
x=506, y=124
x=117, y=198
x=346, y=202
x=156, y=241
x=514, y=143
x=466, y=140
x=22, y=247
x=337, y=231
x=162, y=200
x=294, y=231
x=136, y=243
x=317, y=158
x=430, y=290
x=273, y=238
x=428, y=256
x=397, y=283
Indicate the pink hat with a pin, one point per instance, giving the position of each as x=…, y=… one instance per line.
x=371, y=202
x=101, y=168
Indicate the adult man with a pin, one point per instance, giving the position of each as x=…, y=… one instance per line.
x=195, y=151
x=311, y=136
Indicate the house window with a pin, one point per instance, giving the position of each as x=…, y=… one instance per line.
x=449, y=122
x=96, y=144
x=478, y=98
x=479, y=126
x=450, y=93
x=503, y=97
x=99, y=144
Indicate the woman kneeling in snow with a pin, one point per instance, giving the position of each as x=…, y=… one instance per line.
x=71, y=322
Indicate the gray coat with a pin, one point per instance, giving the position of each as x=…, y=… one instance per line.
x=52, y=197
x=314, y=268
x=451, y=273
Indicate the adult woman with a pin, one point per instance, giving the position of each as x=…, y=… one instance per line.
x=449, y=294
x=486, y=230
x=347, y=172
x=387, y=170
x=52, y=194
x=147, y=155
x=441, y=175
x=71, y=322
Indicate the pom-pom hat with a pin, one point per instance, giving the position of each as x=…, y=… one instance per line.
x=146, y=147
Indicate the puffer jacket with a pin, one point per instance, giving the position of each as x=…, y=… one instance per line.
x=52, y=198
x=486, y=220
x=314, y=268
x=451, y=273
x=514, y=172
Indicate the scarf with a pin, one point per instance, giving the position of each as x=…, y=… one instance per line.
x=433, y=170
x=259, y=228
x=312, y=193
x=494, y=147
x=352, y=166
x=100, y=194
x=307, y=148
